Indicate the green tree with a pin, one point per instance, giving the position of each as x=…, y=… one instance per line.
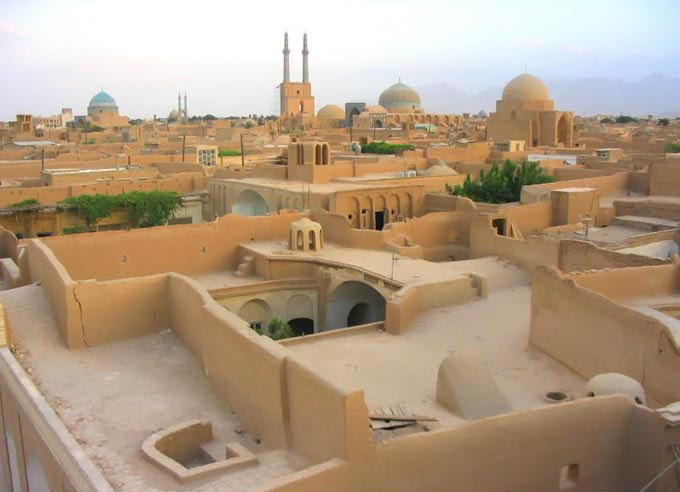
x=136, y=121
x=606, y=121
x=625, y=119
x=385, y=148
x=279, y=329
x=501, y=184
x=209, y=117
x=29, y=202
x=150, y=209
x=663, y=122
x=672, y=147
x=93, y=208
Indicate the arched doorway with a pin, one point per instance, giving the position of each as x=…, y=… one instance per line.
x=563, y=131
x=256, y=313
x=302, y=326
x=353, y=303
x=360, y=314
x=249, y=203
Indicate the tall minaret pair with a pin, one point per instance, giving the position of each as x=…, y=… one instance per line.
x=182, y=115
x=286, y=60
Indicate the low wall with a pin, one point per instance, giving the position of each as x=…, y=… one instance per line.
x=187, y=249
x=664, y=179
x=45, y=453
x=317, y=407
x=58, y=286
x=574, y=320
x=337, y=229
x=246, y=369
x=528, y=252
x=434, y=229
x=647, y=208
x=606, y=184
x=575, y=255
x=483, y=456
x=121, y=309
x=406, y=304
x=48, y=195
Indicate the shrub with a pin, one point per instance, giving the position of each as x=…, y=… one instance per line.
x=145, y=209
x=672, y=147
x=228, y=153
x=29, y=202
x=93, y=208
x=625, y=119
x=501, y=184
x=279, y=329
x=385, y=148
x=152, y=208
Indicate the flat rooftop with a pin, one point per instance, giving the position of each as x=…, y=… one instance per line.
x=499, y=273
x=402, y=370
x=112, y=397
x=300, y=186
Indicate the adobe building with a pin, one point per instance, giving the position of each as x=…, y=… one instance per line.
x=526, y=112
x=297, y=102
x=103, y=111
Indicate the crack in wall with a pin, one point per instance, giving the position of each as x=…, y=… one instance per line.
x=80, y=312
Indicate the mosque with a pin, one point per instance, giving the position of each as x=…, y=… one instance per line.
x=397, y=105
x=526, y=112
x=102, y=111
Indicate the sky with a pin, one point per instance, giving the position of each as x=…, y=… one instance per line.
x=226, y=55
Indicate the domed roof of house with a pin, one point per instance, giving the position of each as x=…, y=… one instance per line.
x=102, y=100
x=399, y=96
x=174, y=115
x=439, y=169
x=374, y=108
x=525, y=87
x=331, y=111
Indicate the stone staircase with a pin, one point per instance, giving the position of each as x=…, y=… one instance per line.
x=247, y=266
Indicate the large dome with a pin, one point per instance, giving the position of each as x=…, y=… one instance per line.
x=331, y=111
x=399, y=96
x=525, y=87
x=102, y=100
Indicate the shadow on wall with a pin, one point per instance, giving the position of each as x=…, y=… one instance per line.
x=354, y=303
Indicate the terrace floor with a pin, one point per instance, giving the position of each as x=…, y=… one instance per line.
x=402, y=370
x=112, y=397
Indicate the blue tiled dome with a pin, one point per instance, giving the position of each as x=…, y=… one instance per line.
x=102, y=100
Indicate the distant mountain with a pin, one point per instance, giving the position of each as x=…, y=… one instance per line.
x=656, y=94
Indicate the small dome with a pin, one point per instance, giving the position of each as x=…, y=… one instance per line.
x=174, y=115
x=525, y=87
x=612, y=383
x=374, y=109
x=439, y=169
x=102, y=100
x=399, y=96
x=331, y=111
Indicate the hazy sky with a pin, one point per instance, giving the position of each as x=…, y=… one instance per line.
x=227, y=55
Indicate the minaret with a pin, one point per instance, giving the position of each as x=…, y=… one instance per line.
x=305, y=62
x=286, y=65
x=179, y=106
x=186, y=113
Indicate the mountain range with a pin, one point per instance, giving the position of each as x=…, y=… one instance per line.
x=655, y=94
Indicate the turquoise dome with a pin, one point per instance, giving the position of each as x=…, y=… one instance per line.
x=102, y=100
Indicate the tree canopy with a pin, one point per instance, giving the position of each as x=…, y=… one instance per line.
x=501, y=184
x=145, y=208
x=385, y=148
x=625, y=119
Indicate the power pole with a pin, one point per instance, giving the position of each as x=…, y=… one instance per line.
x=243, y=157
x=184, y=139
x=42, y=159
